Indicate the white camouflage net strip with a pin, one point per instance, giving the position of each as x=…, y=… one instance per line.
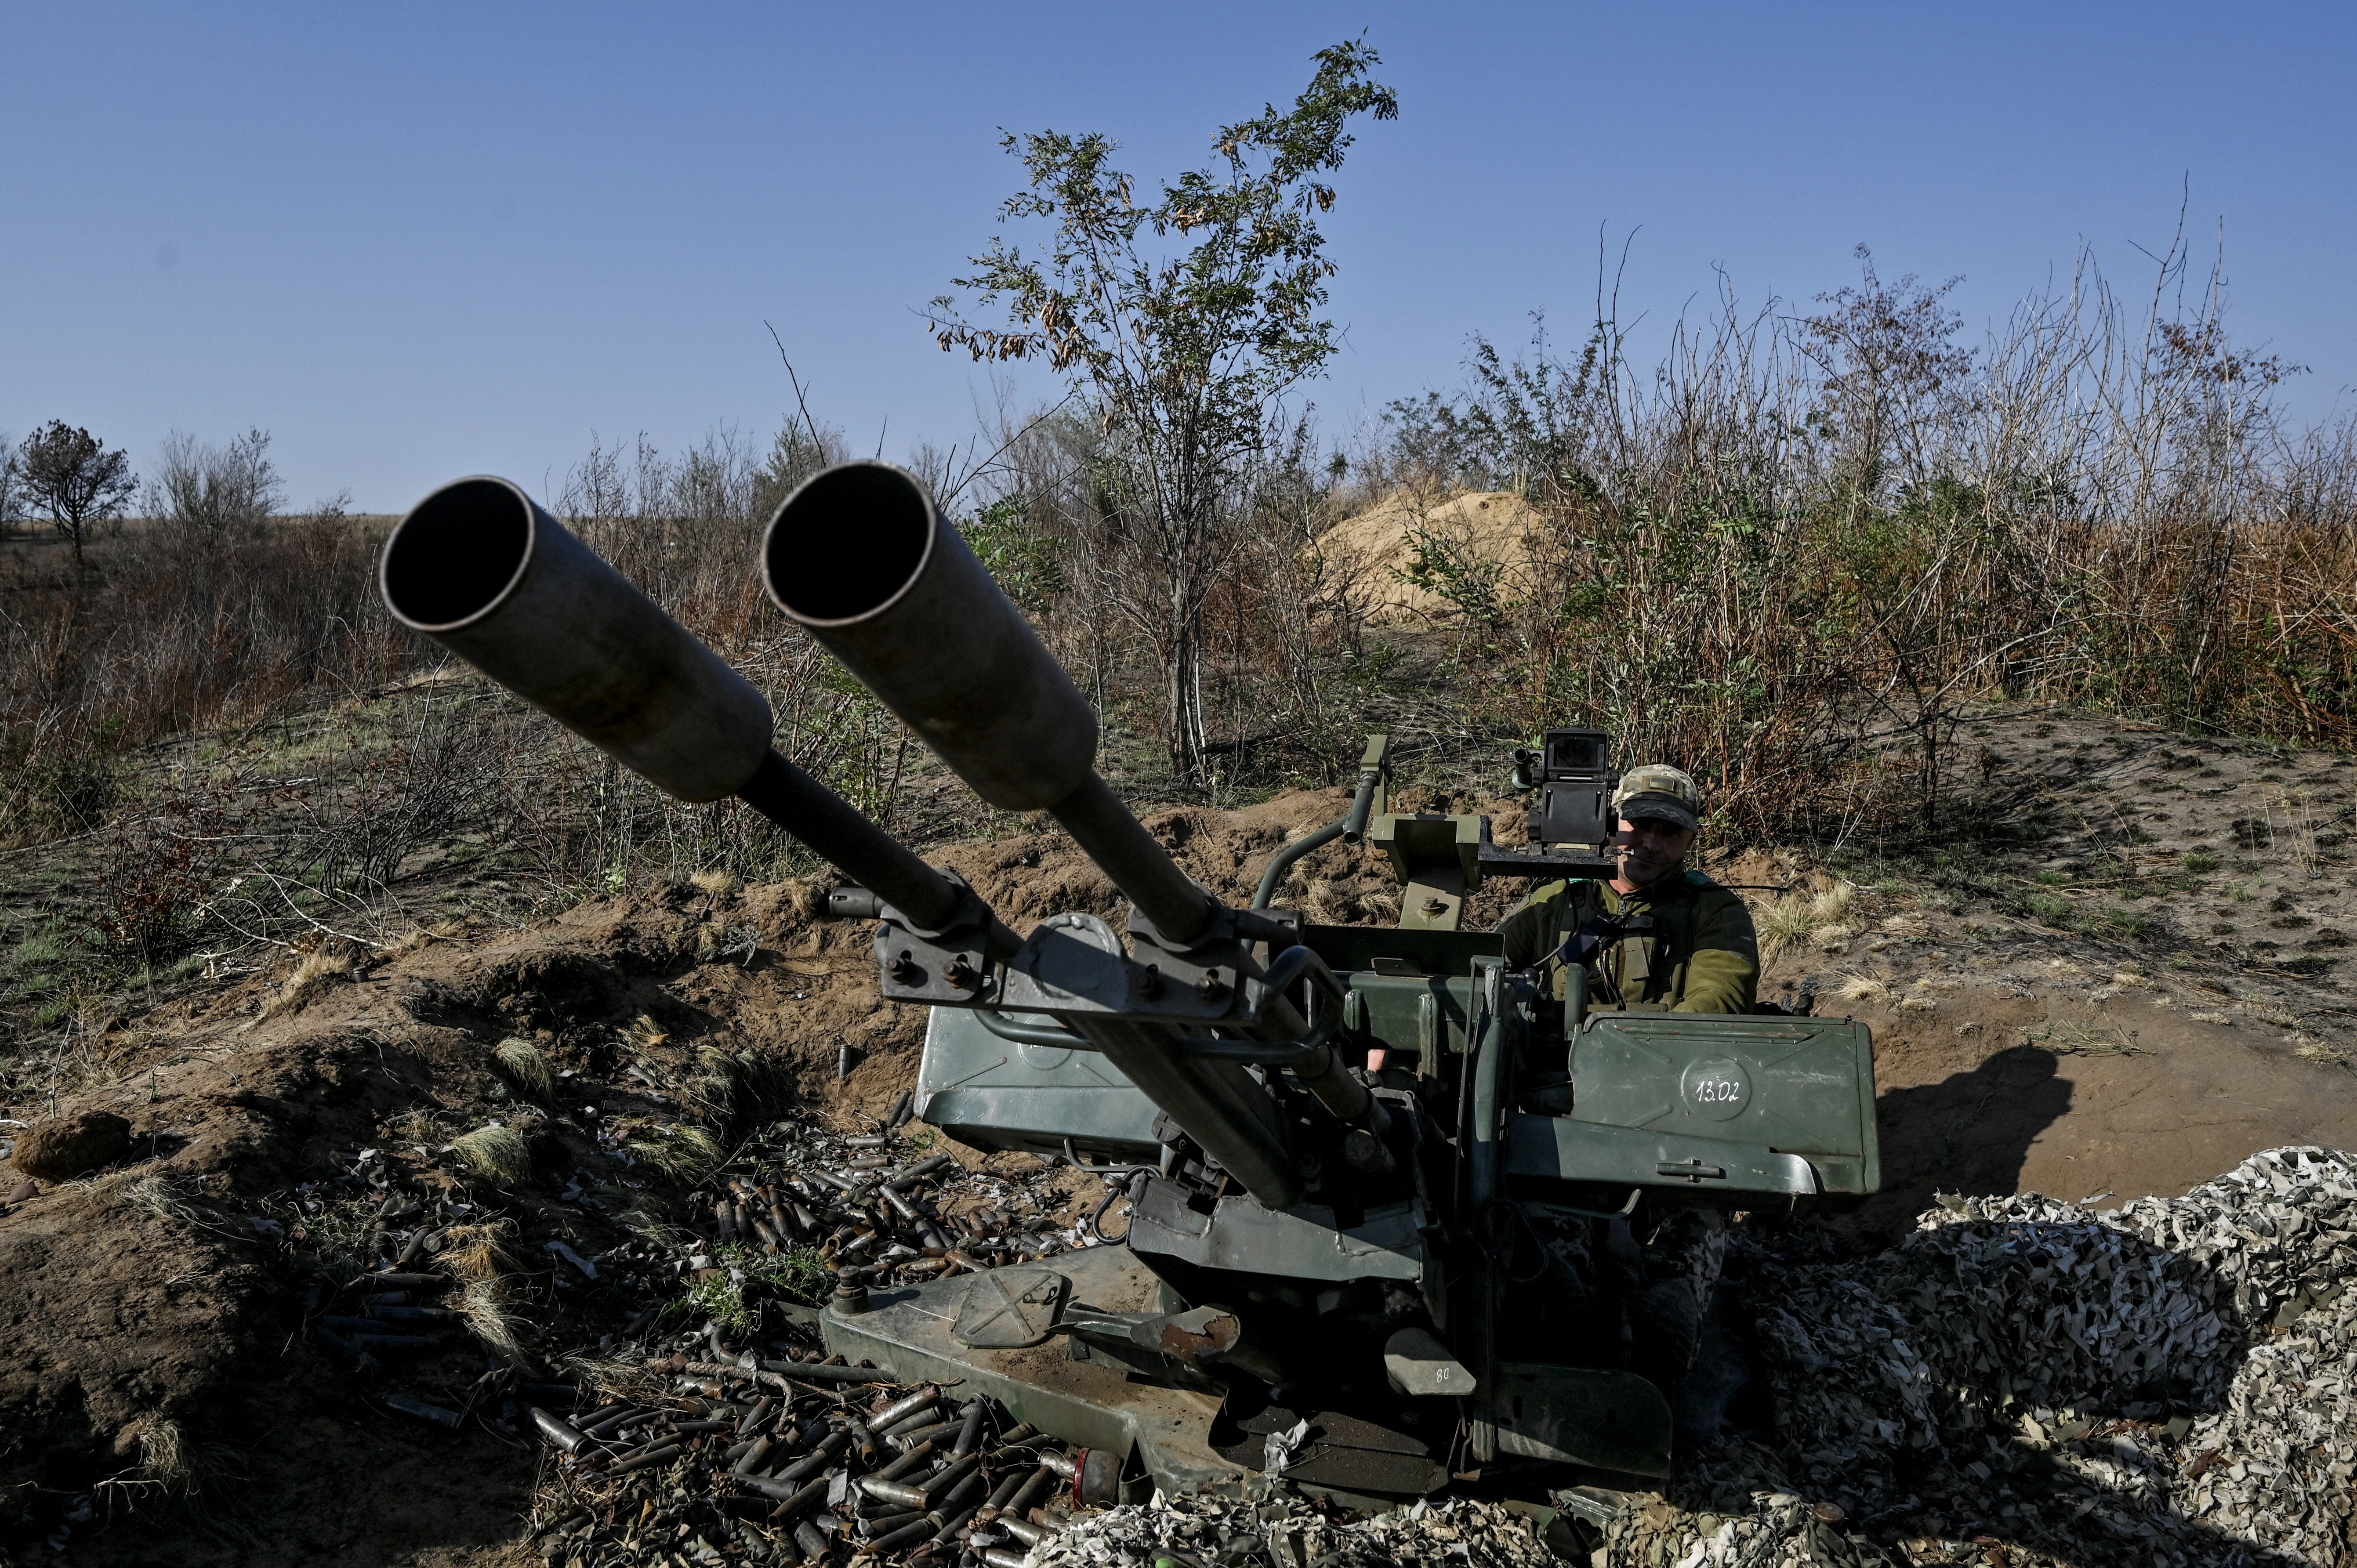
x=2023, y=1382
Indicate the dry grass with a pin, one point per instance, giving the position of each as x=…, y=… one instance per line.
x=525, y=1067
x=1820, y=919
x=718, y=881
x=483, y=1307
x=682, y=1154
x=419, y=936
x=314, y=974
x=498, y=1152
x=804, y=893
x=161, y=1195
x=170, y=1469
x=478, y=1252
x=643, y=1034
x=642, y=1214
x=1859, y=986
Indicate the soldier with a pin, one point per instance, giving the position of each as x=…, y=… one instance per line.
x=1657, y=935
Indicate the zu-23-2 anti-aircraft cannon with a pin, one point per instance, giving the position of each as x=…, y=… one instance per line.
x=1396, y=1213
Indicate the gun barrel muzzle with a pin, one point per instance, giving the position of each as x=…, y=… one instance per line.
x=860, y=556
x=479, y=567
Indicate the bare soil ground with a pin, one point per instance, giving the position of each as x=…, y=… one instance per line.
x=2117, y=972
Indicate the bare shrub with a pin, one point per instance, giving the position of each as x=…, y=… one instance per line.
x=214, y=491
x=1792, y=556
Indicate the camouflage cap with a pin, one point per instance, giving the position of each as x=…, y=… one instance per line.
x=1662, y=792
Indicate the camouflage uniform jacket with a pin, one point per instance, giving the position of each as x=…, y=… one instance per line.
x=1702, y=957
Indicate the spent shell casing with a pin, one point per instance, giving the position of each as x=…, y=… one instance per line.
x=1022, y=1529
x=814, y=1372
x=907, y=1535
x=1034, y=1488
x=970, y=1428
x=812, y=1463
x=885, y=1524
x=893, y=1492
x=952, y=1524
x=646, y=1457
x=424, y=1411
x=906, y=1463
x=604, y=1421
x=965, y=1493
x=936, y=1432
x=812, y=1539
x=923, y=1399
x=1004, y=1493
x=751, y=1420
x=922, y=1419
x=557, y=1430
x=792, y=1500
x=941, y=1481
x=999, y=1557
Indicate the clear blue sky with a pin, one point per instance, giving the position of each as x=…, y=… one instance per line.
x=420, y=241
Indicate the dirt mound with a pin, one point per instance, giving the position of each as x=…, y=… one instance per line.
x=1494, y=535
x=286, y=1134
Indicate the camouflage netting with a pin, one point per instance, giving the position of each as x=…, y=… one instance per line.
x=1196, y=1532
x=2024, y=1382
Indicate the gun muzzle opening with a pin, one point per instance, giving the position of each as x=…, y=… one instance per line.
x=457, y=555
x=479, y=567
x=840, y=574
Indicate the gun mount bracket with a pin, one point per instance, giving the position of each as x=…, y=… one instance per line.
x=1214, y=972
x=947, y=964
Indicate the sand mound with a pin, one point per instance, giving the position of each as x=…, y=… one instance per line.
x=1497, y=536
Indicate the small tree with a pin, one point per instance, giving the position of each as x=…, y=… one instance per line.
x=70, y=477
x=1187, y=351
x=11, y=490
x=216, y=491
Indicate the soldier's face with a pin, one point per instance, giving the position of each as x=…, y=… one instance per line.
x=1650, y=848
